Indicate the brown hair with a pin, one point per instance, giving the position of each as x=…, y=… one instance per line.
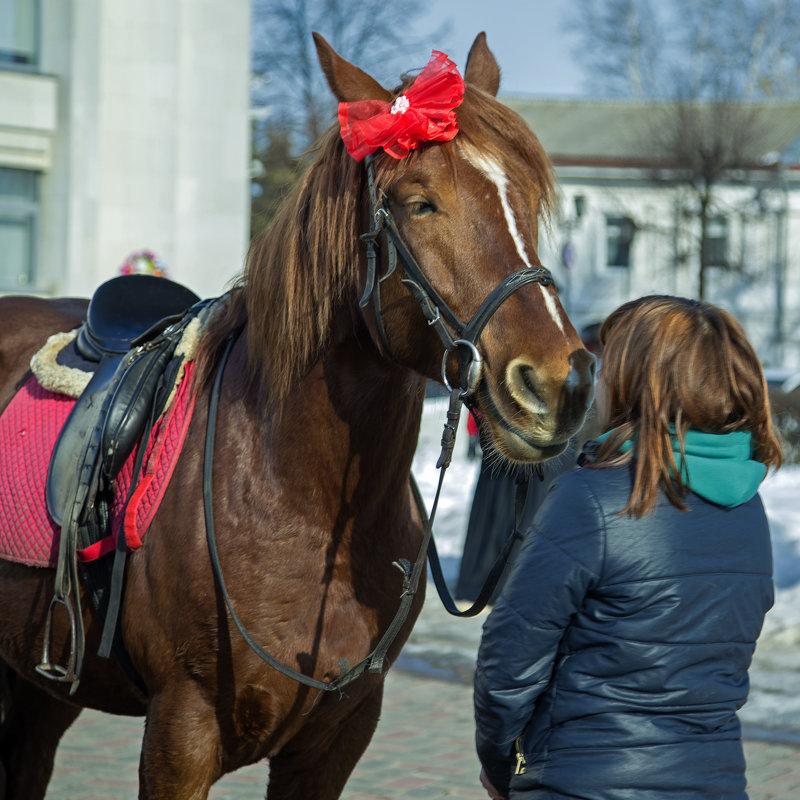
x=673, y=361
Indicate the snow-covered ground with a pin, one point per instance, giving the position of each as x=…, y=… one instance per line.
x=441, y=644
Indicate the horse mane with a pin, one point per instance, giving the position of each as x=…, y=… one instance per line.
x=297, y=272
x=305, y=266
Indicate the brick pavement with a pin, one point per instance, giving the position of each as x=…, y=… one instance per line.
x=422, y=748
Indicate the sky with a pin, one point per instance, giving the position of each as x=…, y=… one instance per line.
x=527, y=38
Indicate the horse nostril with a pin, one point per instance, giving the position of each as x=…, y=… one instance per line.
x=523, y=386
x=526, y=376
x=537, y=392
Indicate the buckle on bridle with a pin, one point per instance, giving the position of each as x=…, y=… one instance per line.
x=473, y=371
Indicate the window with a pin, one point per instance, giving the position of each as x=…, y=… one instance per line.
x=619, y=238
x=19, y=33
x=18, y=214
x=715, y=246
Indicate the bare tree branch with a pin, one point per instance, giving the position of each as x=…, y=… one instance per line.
x=707, y=61
x=619, y=46
x=289, y=93
x=746, y=49
x=289, y=83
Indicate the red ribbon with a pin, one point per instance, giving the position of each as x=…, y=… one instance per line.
x=424, y=112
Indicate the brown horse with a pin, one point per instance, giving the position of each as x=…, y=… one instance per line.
x=318, y=419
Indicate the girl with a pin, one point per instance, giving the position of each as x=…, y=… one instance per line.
x=616, y=659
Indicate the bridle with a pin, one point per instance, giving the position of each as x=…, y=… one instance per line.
x=454, y=334
x=452, y=331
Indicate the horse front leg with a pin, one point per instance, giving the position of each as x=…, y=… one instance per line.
x=180, y=757
x=317, y=762
x=33, y=723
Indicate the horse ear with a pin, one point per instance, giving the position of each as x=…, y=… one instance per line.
x=482, y=70
x=347, y=82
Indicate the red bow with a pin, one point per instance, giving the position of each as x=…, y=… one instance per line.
x=424, y=112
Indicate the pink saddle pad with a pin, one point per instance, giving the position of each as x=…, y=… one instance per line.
x=29, y=428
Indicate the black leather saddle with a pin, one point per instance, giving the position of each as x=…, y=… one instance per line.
x=132, y=328
x=128, y=308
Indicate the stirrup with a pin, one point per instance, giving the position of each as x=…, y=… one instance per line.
x=55, y=672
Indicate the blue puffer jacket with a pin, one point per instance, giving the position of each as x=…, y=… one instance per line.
x=617, y=655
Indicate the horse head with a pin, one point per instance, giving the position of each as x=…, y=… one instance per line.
x=464, y=215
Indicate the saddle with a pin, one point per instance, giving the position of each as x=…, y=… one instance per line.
x=132, y=328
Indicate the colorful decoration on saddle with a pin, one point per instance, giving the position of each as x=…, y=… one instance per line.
x=144, y=262
x=424, y=112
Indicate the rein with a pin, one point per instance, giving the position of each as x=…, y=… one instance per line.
x=372, y=663
x=454, y=334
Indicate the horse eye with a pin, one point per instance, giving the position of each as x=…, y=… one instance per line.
x=421, y=208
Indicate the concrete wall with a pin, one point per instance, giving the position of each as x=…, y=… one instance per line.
x=150, y=145
x=28, y=111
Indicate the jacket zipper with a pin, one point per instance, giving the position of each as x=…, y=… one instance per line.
x=522, y=764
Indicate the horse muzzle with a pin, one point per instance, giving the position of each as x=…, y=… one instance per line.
x=538, y=414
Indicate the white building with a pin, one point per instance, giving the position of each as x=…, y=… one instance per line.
x=123, y=125
x=626, y=230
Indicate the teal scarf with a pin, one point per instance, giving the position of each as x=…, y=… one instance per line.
x=718, y=467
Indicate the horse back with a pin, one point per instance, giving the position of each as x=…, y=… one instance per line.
x=25, y=324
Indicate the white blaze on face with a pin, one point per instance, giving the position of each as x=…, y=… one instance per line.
x=490, y=169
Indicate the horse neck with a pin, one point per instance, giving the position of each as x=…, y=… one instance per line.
x=356, y=418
